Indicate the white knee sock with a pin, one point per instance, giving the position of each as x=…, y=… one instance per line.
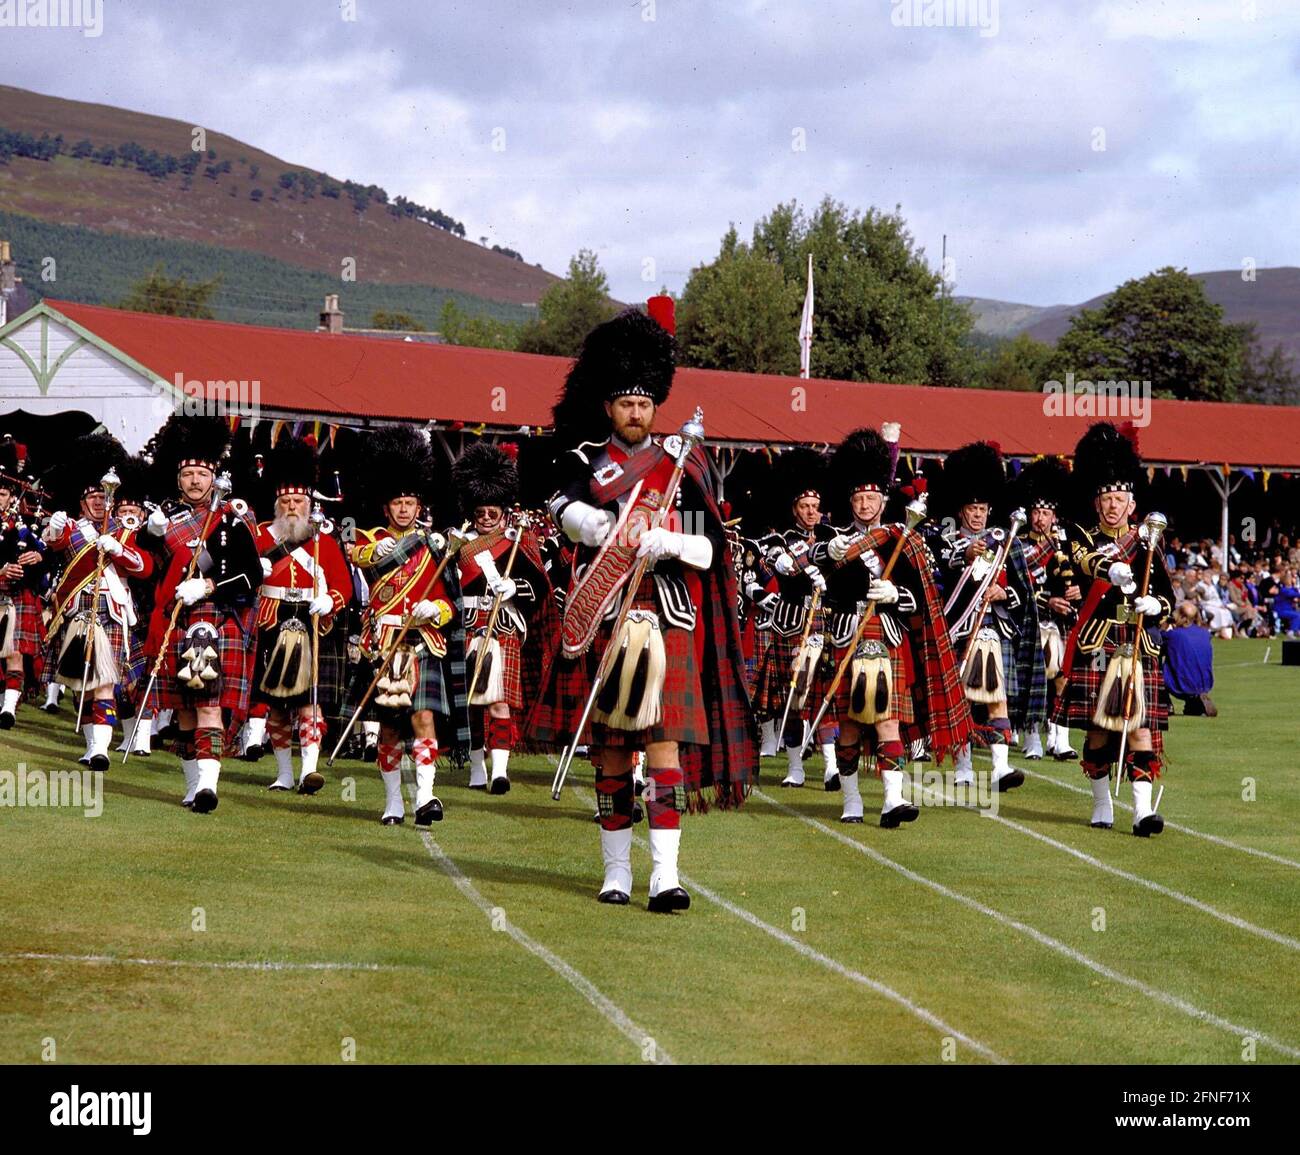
x=190, y=767
x=828, y=753
x=1103, y=810
x=794, y=756
x=284, y=767
x=962, y=764
x=500, y=762
x=852, y=796
x=616, y=850
x=393, y=806
x=477, y=768
x=892, y=781
x=664, y=847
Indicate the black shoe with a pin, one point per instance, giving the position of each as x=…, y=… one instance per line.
x=1151, y=824
x=1101, y=825
x=279, y=788
x=429, y=813
x=613, y=897
x=1033, y=757
x=371, y=754
x=7, y=720
x=84, y=760
x=667, y=901
x=392, y=820
x=850, y=819
x=792, y=785
x=499, y=786
x=252, y=754
x=205, y=801
x=903, y=812
x=311, y=783
x=1066, y=755
x=832, y=784
x=188, y=805
x=99, y=762
x=637, y=813
x=49, y=708
x=1010, y=781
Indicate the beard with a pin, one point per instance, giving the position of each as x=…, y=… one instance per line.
x=632, y=434
x=291, y=527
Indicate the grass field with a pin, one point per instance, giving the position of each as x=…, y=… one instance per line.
x=1026, y=938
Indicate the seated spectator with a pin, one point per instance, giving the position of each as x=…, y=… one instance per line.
x=1286, y=603
x=1189, y=662
x=1244, y=612
x=1214, y=609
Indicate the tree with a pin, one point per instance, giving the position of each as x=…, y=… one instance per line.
x=879, y=313
x=739, y=312
x=1160, y=328
x=1265, y=379
x=399, y=322
x=173, y=296
x=1019, y=363
x=569, y=310
x=478, y=330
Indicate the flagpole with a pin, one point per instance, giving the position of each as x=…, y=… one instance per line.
x=805, y=328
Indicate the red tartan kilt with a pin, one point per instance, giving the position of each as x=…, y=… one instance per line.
x=683, y=720
x=762, y=643
x=236, y=651
x=512, y=671
x=1077, y=704
x=772, y=684
x=901, y=671
x=29, y=632
x=114, y=631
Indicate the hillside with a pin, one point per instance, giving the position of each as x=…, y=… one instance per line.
x=234, y=198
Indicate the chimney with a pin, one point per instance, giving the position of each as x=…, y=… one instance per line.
x=331, y=317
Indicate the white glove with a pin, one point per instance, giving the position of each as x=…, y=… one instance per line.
x=1147, y=606
x=266, y=566
x=815, y=576
x=110, y=545
x=839, y=546
x=157, y=523
x=88, y=531
x=503, y=588
x=659, y=543
x=192, y=590
x=587, y=524
x=384, y=547
x=436, y=542
x=782, y=562
x=1120, y=574
x=423, y=611
x=58, y=523
x=768, y=601
x=891, y=431
x=321, y=606
x=884, y=592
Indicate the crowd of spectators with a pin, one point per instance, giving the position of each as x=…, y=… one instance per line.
x=1254, y=592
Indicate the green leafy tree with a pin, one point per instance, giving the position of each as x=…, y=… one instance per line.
x=879, y=314
x=172, y=296
x=398, y=322
x=569, y=310
x=1266, y=378
x=476, y=329
x=1019, y=363
x=1160, y=328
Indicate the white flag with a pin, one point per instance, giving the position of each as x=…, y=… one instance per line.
x=806, y=326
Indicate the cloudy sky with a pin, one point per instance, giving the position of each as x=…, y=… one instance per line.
x=1062, y=145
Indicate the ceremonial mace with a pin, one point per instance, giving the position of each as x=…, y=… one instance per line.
x=317, y=520
x=914, y=516
x=1018, y=519
x=221, y=487
x=110, y=481
x=690, y=435
x=1155, y=526
x=799, y=653
x=454, y=542
x=497, y=602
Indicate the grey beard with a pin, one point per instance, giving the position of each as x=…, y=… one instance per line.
x=291, y=529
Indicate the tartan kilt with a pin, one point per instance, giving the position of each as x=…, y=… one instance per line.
x=329, y=685
x=236, y=654
x=683, y=717
x=1075, y=706
x=29, y=631
x=900, y=661
x=137, y=674
x=1010, y=672
x=512, y=664
x=762, y=643
x=123, y=653
x=772, y=684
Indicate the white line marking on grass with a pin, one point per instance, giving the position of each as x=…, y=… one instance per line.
x=198, y=964
x=829, y=963
x=571, y=975
x=1154, y=993
x=1216, y=839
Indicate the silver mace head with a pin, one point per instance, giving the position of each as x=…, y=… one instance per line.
x=1018, y=519
x=1156, y=524
x=110, y=481
x=916, y=511
x=222, y=486
x=693, y=430
x=317, y=516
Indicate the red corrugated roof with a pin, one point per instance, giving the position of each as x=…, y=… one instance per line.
x=352, y=376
